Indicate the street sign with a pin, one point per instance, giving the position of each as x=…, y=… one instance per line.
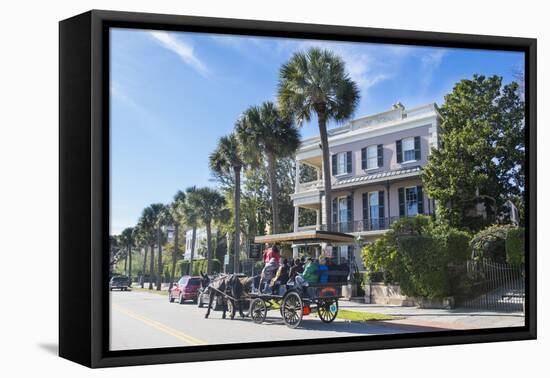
x=254, y=251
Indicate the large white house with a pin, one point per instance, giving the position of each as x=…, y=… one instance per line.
x=376, y=161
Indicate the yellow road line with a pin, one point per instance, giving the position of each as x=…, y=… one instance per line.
x=160, y=326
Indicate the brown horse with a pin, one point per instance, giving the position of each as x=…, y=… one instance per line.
x=226, y=285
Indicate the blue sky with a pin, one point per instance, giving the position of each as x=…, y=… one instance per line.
x=174, y=94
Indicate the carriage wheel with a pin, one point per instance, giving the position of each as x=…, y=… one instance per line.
x=327, y=310
x=292, y=310
x=258, y=311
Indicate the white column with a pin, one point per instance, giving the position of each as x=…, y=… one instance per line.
x=318, y=219
x=296, y=218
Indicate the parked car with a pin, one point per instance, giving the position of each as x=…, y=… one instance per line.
x=186, y=289
x=119, y=282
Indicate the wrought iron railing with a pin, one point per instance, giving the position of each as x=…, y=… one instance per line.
x=373, y=224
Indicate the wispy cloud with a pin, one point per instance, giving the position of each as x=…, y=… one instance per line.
x=182, y=48
x=119, y=94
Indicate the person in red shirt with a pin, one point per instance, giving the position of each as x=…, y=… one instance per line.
x=272, y=252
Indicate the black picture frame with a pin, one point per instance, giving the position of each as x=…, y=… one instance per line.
x=84, y=187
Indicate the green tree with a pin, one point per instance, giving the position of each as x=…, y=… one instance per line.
x=127, y=240
x=229, y=158
x=176, y=209
x=316, y=82
x=191, y=219
x=146, y=226
x=270, y=136
x=481, y=156
x=209, y=206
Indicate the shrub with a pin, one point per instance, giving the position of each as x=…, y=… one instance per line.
x=490, y=243
x=423, y=270
x=198, y=266
x=515, y=246
x=419, y=253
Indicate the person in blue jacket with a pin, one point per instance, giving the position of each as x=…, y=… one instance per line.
x=323, y=270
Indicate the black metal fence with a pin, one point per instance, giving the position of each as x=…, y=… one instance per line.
x=372, y=224
x=494, y=287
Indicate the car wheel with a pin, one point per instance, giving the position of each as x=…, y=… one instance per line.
x=195, y=300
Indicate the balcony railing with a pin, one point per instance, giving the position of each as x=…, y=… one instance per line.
x=374, y=224
x=311, y=185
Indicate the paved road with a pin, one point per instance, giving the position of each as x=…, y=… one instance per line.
x=144, y=320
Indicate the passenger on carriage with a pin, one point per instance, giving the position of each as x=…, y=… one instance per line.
x=310, y=273
x=278, y=284
x=268, y=273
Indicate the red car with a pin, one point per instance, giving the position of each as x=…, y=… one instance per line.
x=186, y=289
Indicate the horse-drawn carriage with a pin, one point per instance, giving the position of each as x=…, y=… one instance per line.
x=300, y=297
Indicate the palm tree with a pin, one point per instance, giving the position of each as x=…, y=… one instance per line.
x=147, y=227
x=161, y=217
x=209, y=207
x=191, y=219
x=177, y=215
x=316, y=82
x=227, y=159
x=269, y=135
x=127, y=239
x=140, y=239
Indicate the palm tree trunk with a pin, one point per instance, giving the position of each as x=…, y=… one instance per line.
x=193, y=240
x=326, y=168
x=126, y=262
x=130, y=263
x=209, y=247
x=272, y=176
x=159, y=268
x=151, y=266
x=174, y=255
x=237, y=193
x=142, y=283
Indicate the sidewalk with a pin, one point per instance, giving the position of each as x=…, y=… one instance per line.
x=440, y=319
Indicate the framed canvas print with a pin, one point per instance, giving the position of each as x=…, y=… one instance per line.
x=235, y=188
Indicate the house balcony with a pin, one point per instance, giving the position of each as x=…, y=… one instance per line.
x=366, y=226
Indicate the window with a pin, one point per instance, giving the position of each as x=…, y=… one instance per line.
x=411, y=201
x=374, y=211
x=341, y=163
x=342, y=209
x=408, y=149
x=372, y=157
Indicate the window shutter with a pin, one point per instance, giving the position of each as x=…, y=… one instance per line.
x=417, y=148
x=348, y=161
x=334, y=164
x=365, y=206
x=380, y=156
x=399, y=151
x=364, y=158
x=334, y=212
x=381, y=205
x=401, y=194
x=420, y=199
